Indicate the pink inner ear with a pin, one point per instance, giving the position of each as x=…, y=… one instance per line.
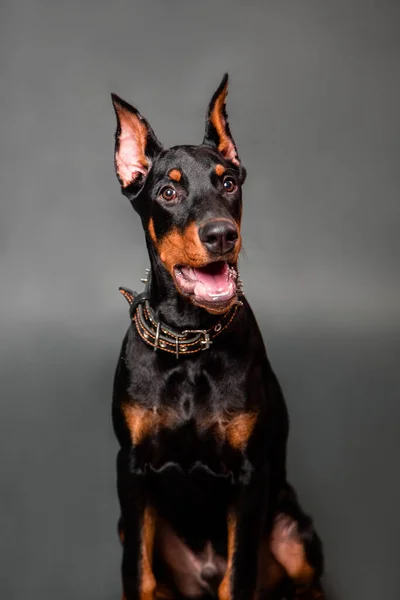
x=227, y=150
x=226, y=146
x=130, y=159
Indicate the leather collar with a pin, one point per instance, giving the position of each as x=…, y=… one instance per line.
x=160, y=336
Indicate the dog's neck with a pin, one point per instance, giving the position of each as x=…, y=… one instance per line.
x=169, y=306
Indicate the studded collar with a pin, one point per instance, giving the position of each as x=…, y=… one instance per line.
x=160, y=336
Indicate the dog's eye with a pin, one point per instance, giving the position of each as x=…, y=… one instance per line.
x=230, y=185
x=168, y=193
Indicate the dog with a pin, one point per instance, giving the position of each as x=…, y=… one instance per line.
x=201, y=421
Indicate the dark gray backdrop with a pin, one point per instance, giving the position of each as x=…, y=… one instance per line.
x=314, y=107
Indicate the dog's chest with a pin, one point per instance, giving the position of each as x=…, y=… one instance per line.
x=191, y=413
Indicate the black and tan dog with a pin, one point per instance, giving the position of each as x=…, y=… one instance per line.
x=206, y=509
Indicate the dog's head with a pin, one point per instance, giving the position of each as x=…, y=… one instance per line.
x=189, y=199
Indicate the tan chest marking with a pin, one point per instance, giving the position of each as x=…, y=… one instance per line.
x=236, y=430
x=144, y=422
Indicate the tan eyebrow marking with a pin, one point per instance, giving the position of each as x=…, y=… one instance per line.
x=175, y=175
x=220, y=170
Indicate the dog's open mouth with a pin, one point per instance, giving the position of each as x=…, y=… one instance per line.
x=214, y=283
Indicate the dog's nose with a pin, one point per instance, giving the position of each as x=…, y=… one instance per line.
x=219, y=236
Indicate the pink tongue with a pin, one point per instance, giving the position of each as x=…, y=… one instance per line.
x=213, y=281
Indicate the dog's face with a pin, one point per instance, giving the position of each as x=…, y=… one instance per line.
x=189, y=199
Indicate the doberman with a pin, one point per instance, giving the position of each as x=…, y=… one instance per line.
x=206, y=509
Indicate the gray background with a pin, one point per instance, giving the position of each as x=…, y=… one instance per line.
x=314, y=107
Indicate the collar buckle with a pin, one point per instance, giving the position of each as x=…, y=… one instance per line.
x=206, y=342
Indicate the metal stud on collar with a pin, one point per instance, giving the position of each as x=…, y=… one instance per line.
x=239, y=285
x=239, y=289
x=157, y=336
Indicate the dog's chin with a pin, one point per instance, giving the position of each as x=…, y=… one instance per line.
x=212, y=286
x=215, y=309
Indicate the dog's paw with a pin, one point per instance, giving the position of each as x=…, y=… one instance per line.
x=296, y=546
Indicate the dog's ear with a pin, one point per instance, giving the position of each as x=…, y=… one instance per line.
x=135, y=147
x=218, y=133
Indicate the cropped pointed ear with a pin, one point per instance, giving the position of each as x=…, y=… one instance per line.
x=135, y=146
x=218, y=133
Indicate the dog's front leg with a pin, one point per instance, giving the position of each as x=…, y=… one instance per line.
x=138, y=525
x=245, y=524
